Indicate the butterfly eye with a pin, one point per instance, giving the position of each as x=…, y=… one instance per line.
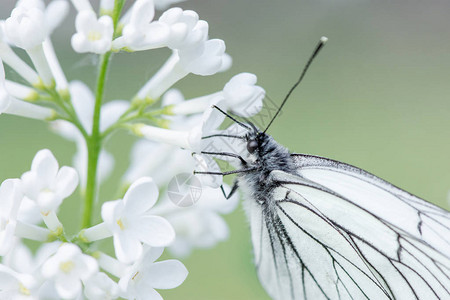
x=252, y=145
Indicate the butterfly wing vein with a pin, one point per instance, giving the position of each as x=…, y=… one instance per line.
x=334, y=232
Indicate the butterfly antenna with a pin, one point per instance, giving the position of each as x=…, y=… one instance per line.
x=231, y=117
x=319, y=46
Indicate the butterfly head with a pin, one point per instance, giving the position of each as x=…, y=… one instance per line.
x=254, y=139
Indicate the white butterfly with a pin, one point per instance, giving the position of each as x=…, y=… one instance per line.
x=322, y=229
x=332, y=231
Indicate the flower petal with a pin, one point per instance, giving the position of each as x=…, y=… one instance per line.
x=88, y=266
x=142, y=12
x=210, y=60
x=147, y=293
x=10, y=198
x=111, y=112
x=166, y=274
x=212, y=118
x=66, y=182
x=55, y=13
x=127, y=247
x=152, y=254
x=7, y=237
x=67, y=287
x=218, y=226
x=45, y=166
x=83, y=103
x=154, y=231
x=141, y=196
x=110, y=211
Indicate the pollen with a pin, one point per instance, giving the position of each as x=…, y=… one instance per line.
x=135, y=275
x=120, y=223
x=67, y=266
x=94, y=36
x=23, y=290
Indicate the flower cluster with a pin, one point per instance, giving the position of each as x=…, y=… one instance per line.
x=61, y=268
x=144, y=220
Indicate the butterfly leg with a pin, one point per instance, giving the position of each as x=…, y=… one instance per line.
x=227, y=154
x=227, y=173
x=232, y=191
x=223, y=135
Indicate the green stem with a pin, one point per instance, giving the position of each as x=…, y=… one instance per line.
x=135, y=117
x=68, y=109
x=94, y=144
x=94, y=140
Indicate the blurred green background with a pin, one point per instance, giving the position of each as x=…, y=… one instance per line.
x=377, y=97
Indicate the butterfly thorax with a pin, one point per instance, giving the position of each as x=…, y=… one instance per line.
x=266, y=155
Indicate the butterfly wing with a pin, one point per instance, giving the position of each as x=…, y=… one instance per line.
x=338, y=232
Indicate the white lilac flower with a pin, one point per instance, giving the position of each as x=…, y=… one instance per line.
x=83, y=102
x=27, y=28
x=93, y=35
x=131, y=224
x=200, y=225
x=227, y=62
x=147, y=274
x=22, y=260
x=68, y=267
x=106, y=7
x=186, y=30
x=143, y=162
x=243, y=96
x=176, y=29
x=188, y=139
x=47, y=184
x=21, y=91
x=195, y=105
x=16, y=63
x=230, y=145
x=164, y=4
x=29, y=212
x=187, y=37
x=240, y=95
x=140, y=33
x=204, y=61
x=31, y=3
x=13, y=106
x=17, y=286
x=81, y=5
x=11, y=223
x=205, y=163
x=55, y=13
x=110, y=264
x=55, y=67
x=171, y=98
x=10, y=198
x=101, y=287
x=48, y=291
x=171, y=159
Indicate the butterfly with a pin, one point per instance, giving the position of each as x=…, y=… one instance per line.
x=323, y=229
